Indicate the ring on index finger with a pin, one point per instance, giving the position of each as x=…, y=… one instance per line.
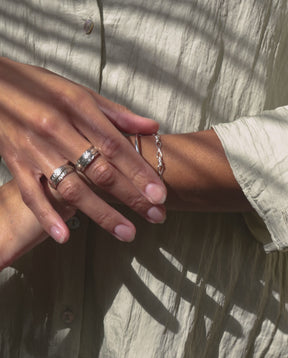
x=86, y=158
x=59, y=174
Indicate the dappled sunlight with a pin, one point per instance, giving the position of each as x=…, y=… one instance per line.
x=189, y=65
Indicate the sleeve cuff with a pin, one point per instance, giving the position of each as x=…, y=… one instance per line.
x=257, y=150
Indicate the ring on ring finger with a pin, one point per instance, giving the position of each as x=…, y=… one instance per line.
x=86, y=158
x=59, y=174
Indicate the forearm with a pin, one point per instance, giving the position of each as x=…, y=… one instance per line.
x=197, y=173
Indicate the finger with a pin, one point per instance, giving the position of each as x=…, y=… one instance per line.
x=74, y=192
x=34, y=197
x=103, y=175
x=77, y=194
x=124, y=119
x=118, y=151
x=93, y=124
x=100, y=172
x=61, y=207
x=107, y=178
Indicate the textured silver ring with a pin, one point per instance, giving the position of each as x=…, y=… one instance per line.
x=86, y=158
x=59, y=174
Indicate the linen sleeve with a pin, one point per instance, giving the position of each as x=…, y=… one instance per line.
x=257, y=150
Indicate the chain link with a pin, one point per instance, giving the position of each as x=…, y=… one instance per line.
x=159, y=155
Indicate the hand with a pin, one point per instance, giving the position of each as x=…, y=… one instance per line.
x=47, y=121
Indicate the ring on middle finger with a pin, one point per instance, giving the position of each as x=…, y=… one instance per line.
x=59, y=174
x=86, y=158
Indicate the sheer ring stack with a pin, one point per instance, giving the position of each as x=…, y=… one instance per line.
x=86, y=158
x=59, y=174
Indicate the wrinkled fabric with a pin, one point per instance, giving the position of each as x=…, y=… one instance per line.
x=199, y=285
x=51, y=34
x=262, y=174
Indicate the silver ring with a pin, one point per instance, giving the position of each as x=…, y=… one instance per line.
x=59, y=174
x=86, y=158
x=137, y=143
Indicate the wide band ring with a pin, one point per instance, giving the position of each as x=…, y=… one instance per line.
x=59, y=174
x=86, y=158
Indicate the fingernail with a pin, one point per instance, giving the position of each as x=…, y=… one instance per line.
x=156, y=215
x=124, y=232
x=155, y=193
x=58, y=234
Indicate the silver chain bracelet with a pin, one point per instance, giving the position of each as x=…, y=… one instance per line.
x=159, y=155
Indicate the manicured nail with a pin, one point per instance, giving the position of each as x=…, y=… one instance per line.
x=58, y=234
x=124, y=233
x=156, y=215
x=155, y=193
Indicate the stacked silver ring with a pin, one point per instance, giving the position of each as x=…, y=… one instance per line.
x=86, y=158
x=59, y=174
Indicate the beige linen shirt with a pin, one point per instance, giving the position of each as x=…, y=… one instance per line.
x=199, y=285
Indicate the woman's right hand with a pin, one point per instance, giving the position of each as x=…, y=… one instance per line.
x=47, y=121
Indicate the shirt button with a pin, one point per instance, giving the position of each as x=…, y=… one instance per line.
x=88, y=26
x=73, y=223
x=68, y=316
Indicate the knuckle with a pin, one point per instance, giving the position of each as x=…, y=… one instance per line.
x=110, y=147
x=70, y=191
x=138, y=203
x=47, y=125
x=102, y=175
x=139, y=176
x=81, y=97
x=104, y=220
x=43, y=214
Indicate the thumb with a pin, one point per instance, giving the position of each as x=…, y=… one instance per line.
x=123, y=118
